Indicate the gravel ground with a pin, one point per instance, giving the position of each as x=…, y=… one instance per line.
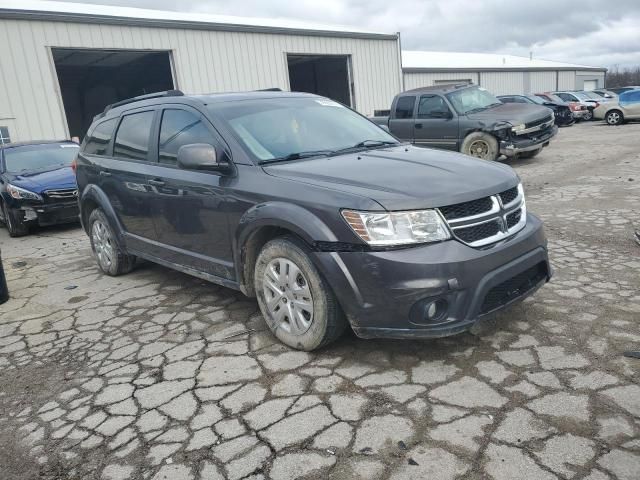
x=157, y=375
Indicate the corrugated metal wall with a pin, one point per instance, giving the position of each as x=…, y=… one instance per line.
x=542, y=82
x=204, y=62
x=418, y=80
x=566, y=80
x=503, y=83
x=581, y=77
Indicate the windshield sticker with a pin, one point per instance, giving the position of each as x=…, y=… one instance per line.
x=68, y=146
x=328, y=103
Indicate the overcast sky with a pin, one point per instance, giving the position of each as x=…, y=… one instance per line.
x=591, y=32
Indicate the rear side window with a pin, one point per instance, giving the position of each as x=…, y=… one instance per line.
x=404, y=107
x=132, y=139
x=630, y=97
x=178, y=128
x=431, y=106
x=100, y=138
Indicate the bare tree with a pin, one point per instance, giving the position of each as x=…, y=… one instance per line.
x=620, y=77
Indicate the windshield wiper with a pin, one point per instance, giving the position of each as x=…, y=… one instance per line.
x=296, y=156
x=364, y=144
x=476, y=110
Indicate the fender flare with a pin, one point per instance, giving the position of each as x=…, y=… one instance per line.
x=96, y=194
x=294, y=218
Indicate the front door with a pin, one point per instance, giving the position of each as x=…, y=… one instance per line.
x=436, y=125
x=190, y=216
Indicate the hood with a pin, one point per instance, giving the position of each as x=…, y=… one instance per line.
x=39, y=181
x=403, y=177
x=514, y=113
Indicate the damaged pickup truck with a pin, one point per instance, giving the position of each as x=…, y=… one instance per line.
x=469, y=119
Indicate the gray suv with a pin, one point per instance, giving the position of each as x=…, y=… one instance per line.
x=305, y=204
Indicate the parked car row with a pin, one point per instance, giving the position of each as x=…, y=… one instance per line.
x=561, y=110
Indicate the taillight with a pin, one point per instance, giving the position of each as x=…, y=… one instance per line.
x=596, y=105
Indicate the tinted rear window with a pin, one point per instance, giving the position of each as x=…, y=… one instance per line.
x=404, y=107
x=100, y=138
x=132, y=139
x=39, y=157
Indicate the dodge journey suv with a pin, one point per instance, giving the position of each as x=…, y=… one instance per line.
x=305, y=204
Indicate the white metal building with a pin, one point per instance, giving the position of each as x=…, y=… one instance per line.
x=61, y=63
x=500, y=74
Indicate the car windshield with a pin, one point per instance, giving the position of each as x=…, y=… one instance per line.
x=552, y=98
x=472, y=99
x=535, y=99
x=582, y=95
x=592, y=95
x=288, y=128
x=39, y=157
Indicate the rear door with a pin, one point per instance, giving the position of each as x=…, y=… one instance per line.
x=190, y=214
x=123, y=176
x=630, y=103
x=401, y=121
x=435, y=125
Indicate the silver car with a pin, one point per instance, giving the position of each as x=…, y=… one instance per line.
x=616, y=112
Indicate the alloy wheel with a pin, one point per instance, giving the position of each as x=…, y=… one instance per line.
x=479, y=149
x=613, y=118
x=287, y=295
x=103, y=244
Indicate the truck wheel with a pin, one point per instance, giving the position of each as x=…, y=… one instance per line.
x=111, y=259
x=529, y=154
x=614, y=117
x=15, y=227
x=297, y=304
x=480, y=145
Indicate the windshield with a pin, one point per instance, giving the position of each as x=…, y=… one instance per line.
x=39, y=157
x=473, y=99
x=288, y=127
x=592, y=95
x=581, y=95
x=536, y=99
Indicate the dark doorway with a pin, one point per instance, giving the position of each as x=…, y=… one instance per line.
x=326, y=75
x=92, y=79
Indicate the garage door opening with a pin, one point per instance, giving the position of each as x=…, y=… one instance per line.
x=326, y=75
x=92, y=79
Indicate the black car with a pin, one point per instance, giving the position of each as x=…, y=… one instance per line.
x=305, y=204
x=37, y=185
x=561, y=110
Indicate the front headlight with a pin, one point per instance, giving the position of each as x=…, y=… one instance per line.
x=397, y=228
x=22, y=194
x=518, y=128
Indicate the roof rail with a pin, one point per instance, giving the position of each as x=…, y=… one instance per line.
x=272, y=89
x=168, y=93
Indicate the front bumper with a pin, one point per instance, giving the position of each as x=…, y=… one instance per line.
x=48, y=214
x=532, y=141
x=384, y=294
x=580, y=114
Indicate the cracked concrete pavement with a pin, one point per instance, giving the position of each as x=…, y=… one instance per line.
x=156, y=375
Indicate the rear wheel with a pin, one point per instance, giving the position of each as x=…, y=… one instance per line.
x=480, y=145
x=111, y=259
x=297, y=304
x=614, y=117
x=15, y=227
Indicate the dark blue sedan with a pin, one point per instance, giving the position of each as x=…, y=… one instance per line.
x=37, y=185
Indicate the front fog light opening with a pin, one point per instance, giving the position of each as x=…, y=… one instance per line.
x=430, y=312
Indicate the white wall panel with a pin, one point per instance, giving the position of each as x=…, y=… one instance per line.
x=417, y=79
x=503, y=83
x=542, y=82
x=204, y=62
x=567, y=80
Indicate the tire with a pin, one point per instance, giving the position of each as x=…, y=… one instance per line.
x=589, y=116
x=111, y=259
x=297, y=303
x=15, y=227
x=531, y=154
x=614, y=117
x=480, y=145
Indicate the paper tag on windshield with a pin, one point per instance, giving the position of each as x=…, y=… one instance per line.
x=328, y=103
x=68, y=146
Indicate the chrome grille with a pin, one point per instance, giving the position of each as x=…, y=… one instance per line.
x=61, y=194
x=487, y=220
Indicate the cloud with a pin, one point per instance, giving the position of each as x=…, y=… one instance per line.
x=579, y=31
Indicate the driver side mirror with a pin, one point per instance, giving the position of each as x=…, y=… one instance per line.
x=200, y=156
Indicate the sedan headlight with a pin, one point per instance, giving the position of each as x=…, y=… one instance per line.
x=22, y=194
x=397, y=228
x=518, y=128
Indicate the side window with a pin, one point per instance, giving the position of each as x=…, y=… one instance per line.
x=178, y=128
x=4, y=135
x=566, y=97
x=404, y=107
x=132, y=139
x=98, y=142
x=431, y=106
x=630, y=97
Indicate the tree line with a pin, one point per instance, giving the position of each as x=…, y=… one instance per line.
x=620, y=77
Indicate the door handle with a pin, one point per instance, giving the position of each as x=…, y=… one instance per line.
x=418, y=125
x=104, y=173
x=156, y=182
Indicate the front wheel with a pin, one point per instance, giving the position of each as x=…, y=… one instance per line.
x=297, y=304
x=614, y=117
x=588, y=116
x=15, y=227
x=480, y=145
x=111, y=259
